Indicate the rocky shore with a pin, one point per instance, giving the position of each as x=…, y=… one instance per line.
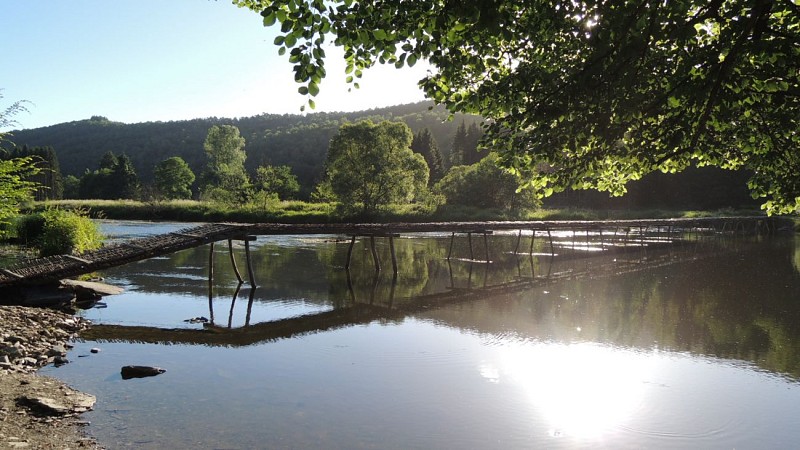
x=39, y=412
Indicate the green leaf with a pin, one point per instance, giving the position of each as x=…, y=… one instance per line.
x=673, y=102
x=303, y=90
x=311, y=104
x=313, y=89
x=269, y=19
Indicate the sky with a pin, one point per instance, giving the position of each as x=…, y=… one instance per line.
x=155, y=60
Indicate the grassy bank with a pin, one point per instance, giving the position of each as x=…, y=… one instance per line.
x=302, y=212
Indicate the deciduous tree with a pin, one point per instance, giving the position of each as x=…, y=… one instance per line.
x=225, y=178
x=484, y=185
x=173, y=178
x=277, y=180
x=586, y=93
x=370, y=166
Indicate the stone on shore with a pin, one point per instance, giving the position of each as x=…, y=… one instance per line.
x=129, y=372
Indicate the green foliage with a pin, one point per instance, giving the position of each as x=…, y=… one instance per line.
x=225, y=179
x=115, y=178
x=48, y=177
x=465, y=149
x=15, y=187
x=28, y=228
x=72, y=186
x=16, y=174
x=173, y=178
x=108, y=161
x=59, y=232
x=484, y=185
x=425, y=144
x=126, y=178
x=278, y=180
x=586, y=94
x=7, y=116
x=299, y=141
x=371, y=166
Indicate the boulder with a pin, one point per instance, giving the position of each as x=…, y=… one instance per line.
x=129, y=372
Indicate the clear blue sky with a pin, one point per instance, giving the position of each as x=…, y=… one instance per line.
x=150, y=60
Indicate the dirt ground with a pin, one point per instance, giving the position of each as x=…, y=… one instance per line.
x=25, y=425
x=39, y=412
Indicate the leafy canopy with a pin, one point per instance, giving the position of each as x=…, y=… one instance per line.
x=484, y=185
x=370, y=166
x=173, y=178
x=586, y=93
x=277, y=180
x=15, y=174
x=225, y=178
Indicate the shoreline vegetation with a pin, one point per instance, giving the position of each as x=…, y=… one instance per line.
x=304, y=212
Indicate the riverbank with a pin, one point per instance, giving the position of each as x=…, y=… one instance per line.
x=303, y=212
x=36, y=411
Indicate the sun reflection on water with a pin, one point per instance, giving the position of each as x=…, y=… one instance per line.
x=580, y=390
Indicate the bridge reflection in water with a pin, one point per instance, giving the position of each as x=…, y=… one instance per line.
x=569, y=256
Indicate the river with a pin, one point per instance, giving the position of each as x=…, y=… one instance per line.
x=694, y=345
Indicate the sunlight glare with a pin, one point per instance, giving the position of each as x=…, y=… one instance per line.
x=582, y=390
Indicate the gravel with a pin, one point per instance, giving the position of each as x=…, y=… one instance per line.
x=39, y=412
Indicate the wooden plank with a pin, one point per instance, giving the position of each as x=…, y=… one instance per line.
x=133, y=245
x=76, y=258
x=187, y=235
x=12, y=274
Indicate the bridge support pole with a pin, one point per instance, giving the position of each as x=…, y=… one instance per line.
x=233, y=262
x=486, y=246
x=210, y=265
x=350, y=252
x=211, y=281
x=394, y=256
x=533, y=239
x=249, y=263
x=452, y=239
x=374, y=254
x=519, y=238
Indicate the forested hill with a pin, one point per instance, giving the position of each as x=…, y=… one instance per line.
x=299, y=141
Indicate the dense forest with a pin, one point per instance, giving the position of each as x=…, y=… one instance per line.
x=298, y=141
x=85, y=150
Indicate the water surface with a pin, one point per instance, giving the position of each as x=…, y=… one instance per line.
x=689, y=346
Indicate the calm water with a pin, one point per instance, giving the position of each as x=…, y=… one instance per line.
x=694, y=346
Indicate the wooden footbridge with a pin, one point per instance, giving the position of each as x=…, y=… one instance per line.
x=370, y=309
x=625, y=232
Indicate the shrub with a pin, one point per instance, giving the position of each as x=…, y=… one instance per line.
x=29, y=228
x=58, y=232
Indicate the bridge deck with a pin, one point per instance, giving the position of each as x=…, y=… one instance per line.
x=41, y=270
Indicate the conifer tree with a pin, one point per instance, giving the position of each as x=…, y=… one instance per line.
x=471, y=153
x=425, y=144
x=459, y=149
